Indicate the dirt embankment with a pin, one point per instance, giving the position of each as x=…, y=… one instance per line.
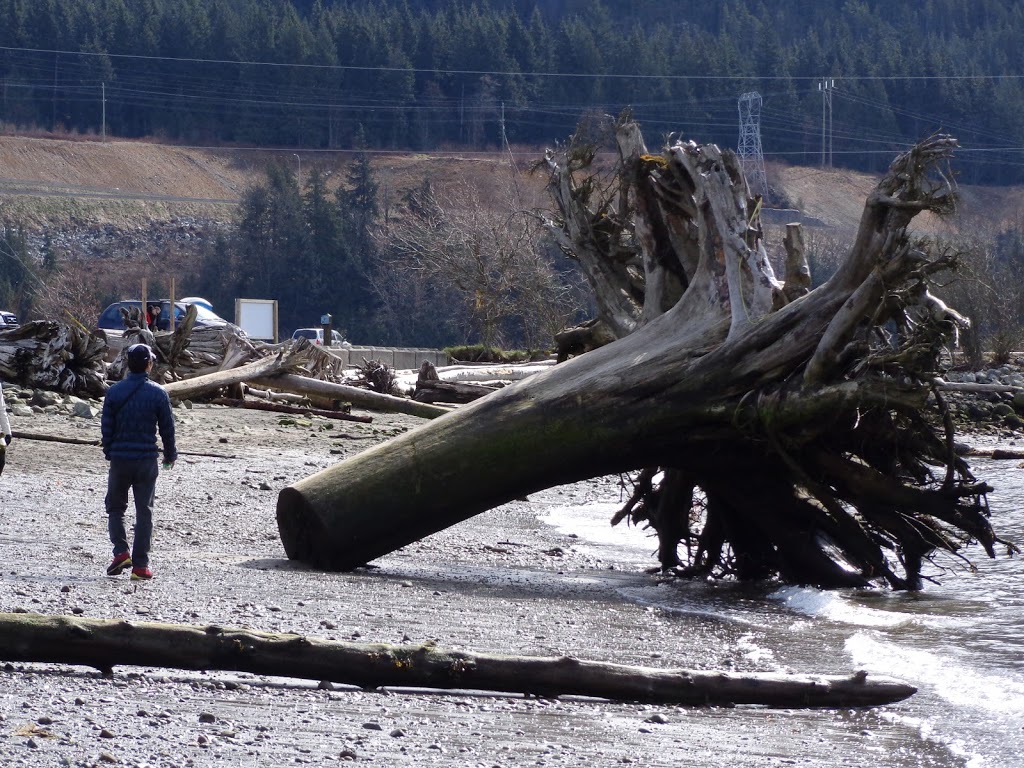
x=132, y=186
x=60, y=184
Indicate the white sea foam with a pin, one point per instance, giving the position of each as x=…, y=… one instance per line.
x=948, y=675
x=834, y=606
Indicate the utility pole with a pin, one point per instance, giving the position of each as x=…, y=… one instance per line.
x=103, y=133
x=826, y=87
x=749, y=151
x=504, y=137
x=298, y=176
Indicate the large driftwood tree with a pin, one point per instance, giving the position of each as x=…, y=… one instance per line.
x=777, y=431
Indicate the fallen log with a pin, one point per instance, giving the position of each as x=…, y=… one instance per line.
x=364, y=398
x=797, y=438
x=292, y=409
x=284, y=397
x=430, y=388
x=307, y=401
x=967, y=386
x=208, y=454
x=1004, y=453
x=286, y=359
x=450, y=392
x=482, y=373
x=104, y=644
x=53, y=438
x=96, y=442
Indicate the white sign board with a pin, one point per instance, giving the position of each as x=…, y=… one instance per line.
x=257, y=317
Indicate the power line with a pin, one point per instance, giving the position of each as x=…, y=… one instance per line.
x=506, y=73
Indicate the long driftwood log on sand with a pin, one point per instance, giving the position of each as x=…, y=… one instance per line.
x=776, y=433
x=295, y=410
x=105, y=644
x=364, y=398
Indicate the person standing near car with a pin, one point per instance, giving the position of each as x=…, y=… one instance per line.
x=5, y=430
x=134, y=410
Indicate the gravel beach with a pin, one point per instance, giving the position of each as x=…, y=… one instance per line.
x=503, y=582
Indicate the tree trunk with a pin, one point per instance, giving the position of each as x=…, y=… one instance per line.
x=104, y=644
x=805, y=430
x=363, y=398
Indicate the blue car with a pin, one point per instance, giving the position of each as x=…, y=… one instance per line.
x=111, y=319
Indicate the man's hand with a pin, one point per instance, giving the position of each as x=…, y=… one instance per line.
x=7, y=439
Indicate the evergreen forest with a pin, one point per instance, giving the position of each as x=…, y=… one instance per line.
x=431, y=75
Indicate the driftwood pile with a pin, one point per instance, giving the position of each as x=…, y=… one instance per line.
x=45, y=354
x=199, y=362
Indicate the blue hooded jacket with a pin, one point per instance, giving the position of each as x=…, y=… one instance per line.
x=133, y=410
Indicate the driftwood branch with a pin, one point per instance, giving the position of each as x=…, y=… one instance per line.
x=84, y=441
x=293, y=409
x=363, y=398
x=53, y=438
x=104, y=644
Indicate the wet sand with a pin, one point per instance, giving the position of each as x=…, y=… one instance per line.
x=501, y=582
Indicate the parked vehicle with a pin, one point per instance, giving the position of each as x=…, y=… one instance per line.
x=316, y=335
x=8, y=320
x=111, y=318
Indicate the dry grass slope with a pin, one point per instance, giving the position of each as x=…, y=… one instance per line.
x=57, y=183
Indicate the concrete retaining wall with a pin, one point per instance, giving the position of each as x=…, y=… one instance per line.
x=398, y=358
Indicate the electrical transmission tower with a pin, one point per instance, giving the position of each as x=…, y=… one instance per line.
x=751, y=158
x=826, y=87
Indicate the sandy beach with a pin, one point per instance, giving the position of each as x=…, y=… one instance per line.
x=502, y=582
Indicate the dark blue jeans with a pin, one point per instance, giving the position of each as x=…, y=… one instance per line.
x=140, y=476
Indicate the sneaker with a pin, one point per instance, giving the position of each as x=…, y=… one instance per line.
x=121, y=561
x=141, y=574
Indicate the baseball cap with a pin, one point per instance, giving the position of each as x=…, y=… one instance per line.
x=139, y=354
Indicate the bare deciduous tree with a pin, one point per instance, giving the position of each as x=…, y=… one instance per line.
x=486, y=262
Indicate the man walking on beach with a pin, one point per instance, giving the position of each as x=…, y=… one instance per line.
x=133, y=410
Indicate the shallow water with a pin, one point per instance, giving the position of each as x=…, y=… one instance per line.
x=960, y=640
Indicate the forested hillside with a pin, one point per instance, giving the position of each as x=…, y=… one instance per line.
x=431, y=74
